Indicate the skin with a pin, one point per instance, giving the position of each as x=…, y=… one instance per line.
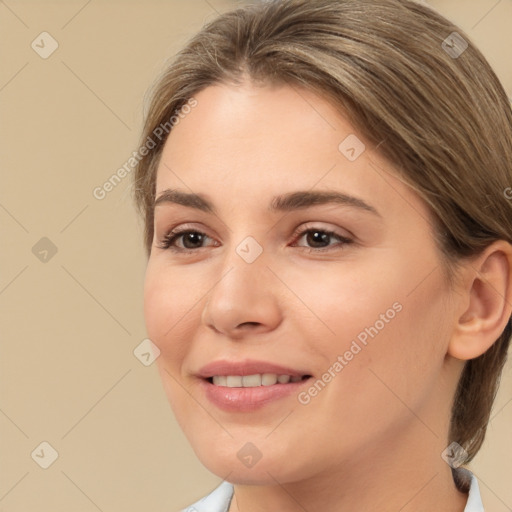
x=372, y=438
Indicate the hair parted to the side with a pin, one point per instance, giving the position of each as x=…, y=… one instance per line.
x=445, y=123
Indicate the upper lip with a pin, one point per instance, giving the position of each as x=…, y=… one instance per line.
x=246, y=367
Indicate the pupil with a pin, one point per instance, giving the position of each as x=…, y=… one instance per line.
x=321, y=238
x=190, y=237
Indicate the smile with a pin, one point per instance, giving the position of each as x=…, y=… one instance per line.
x=248, y=385
x=252, y=381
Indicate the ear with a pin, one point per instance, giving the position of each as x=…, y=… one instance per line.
x=486, y=302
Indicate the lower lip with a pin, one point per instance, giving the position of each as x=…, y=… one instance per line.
x=248, y=399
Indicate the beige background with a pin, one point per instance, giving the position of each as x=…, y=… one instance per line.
x=70, y=324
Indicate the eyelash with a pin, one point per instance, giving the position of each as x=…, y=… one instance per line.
x=169, y=239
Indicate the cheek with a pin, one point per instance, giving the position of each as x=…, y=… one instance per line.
x=390, y=322
x=343, y=300
x=165, y=308
x=402, y=362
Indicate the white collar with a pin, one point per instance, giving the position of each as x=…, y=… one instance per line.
x=474, y=503
x=217, y=501
x=220, y=498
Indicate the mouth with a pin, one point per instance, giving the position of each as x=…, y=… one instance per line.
x=254, y=380
x=248, y=385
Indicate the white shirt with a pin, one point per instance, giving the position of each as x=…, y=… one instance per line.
x=220, y=498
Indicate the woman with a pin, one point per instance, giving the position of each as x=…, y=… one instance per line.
x=329, y=254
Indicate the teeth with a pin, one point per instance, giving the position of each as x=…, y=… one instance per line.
x=220, y=380
x=268, y=379
x=234, y=381
x=252, y=381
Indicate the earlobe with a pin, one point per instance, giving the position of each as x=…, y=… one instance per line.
x=487, y=302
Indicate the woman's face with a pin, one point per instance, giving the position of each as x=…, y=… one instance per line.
x=365, y=312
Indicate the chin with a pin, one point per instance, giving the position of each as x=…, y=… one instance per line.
x=240, y=463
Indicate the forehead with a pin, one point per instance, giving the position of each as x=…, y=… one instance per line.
x=241, y=143
x=255, y=128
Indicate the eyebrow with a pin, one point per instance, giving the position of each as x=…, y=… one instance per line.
x=283, y=203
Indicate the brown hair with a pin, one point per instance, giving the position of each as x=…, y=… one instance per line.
x=441, y=118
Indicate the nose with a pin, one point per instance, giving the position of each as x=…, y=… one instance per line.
x=243, y=299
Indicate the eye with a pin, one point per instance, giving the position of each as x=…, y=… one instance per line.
x=316, y=236
x=192, y=239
